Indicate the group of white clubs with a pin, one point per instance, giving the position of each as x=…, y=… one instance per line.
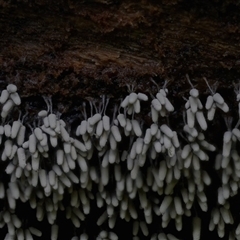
x=132, y=171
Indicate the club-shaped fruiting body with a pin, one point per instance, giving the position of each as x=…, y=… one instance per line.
x=130, y=170
x=161, y=105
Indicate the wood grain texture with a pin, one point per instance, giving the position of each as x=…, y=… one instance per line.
x=86, y=48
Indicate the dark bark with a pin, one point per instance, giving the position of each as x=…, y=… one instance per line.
x=86, y=48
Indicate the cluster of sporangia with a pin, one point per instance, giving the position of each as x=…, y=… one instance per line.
x=142, y=175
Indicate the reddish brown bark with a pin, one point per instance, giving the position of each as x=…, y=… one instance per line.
x=85, y=48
